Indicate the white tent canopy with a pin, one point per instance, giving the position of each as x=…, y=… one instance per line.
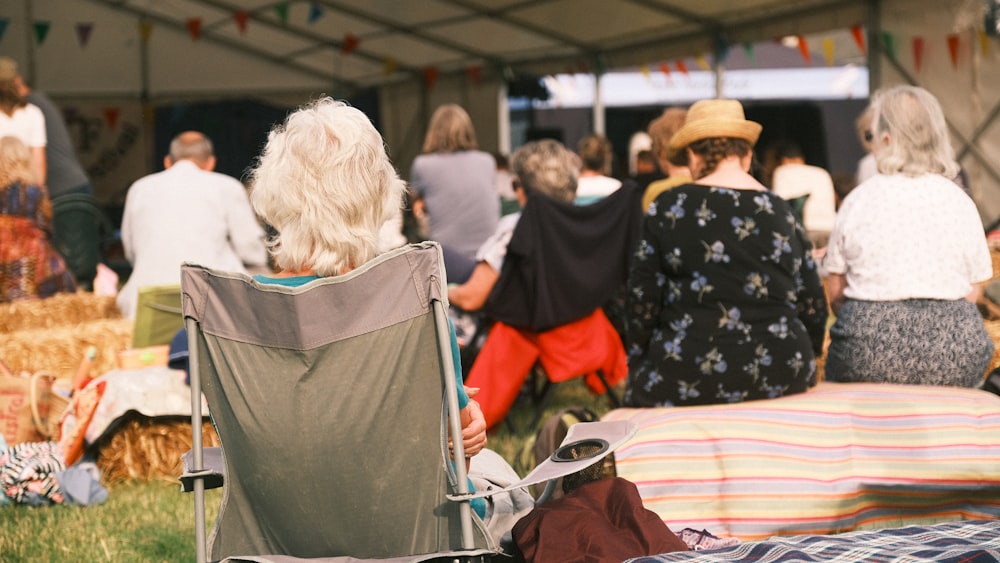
x=116, y=58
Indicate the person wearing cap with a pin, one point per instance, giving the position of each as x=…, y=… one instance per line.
x=21, y=119
x=908, y=257
x=724, y=300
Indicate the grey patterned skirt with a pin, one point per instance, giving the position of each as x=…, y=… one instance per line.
x=918, y=341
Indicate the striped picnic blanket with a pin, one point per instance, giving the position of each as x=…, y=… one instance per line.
x=951, y=542
x=837, y=458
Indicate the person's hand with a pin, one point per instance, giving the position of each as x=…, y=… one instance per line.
x=474, y=433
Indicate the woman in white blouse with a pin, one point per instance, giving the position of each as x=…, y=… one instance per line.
x=907, y=258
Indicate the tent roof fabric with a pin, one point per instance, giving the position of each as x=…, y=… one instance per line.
x=201, y=46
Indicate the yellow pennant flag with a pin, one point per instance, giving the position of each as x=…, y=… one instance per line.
x=645, y=72
x=145, y=31
x=828, y=51
x=984, y=42
x=389, y=66
x=702, y=62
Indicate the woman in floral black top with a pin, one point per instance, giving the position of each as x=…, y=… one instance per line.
x=724, y=303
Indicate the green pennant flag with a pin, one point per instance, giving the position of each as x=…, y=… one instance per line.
x=3, y=26
x=888, y=45
x=282, y=10
x=748, y=49
x=41, y=31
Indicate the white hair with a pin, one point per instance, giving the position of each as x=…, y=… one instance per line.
x=910, y=133
x=326, y=184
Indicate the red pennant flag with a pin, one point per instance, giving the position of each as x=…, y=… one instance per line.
x=859, y=37
x=430, y=76
x=349, y=44
x=918, y=52
x=665, y=69
x=194, y=28
x=475, y=74
x=83, y=33
x=682, y=67
x=241, y=18
x=111, y=116
x=804, y=50
x=953, y=50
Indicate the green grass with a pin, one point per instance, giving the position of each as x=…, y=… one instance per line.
x=154, y=521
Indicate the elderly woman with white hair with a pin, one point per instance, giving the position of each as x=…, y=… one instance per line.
x=326, y=184
x=907, y=258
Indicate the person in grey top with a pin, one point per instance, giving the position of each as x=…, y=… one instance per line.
x=455, y=188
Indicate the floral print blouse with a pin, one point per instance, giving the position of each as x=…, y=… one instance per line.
x=724, y=300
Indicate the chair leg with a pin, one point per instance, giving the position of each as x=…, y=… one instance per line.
x=612, y=396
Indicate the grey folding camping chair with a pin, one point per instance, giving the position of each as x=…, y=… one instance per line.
x=331, y=401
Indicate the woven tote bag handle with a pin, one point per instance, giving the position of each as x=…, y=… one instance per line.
x=36, y=415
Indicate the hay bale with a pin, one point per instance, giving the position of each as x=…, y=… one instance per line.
x=62, y=309
x=148, y=449
x=59, y=350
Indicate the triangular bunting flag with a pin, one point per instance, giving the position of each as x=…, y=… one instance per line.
x=828, y=51
x=194, y=28
x=389, y=66
x=600, y=65
x=42, y=31
x=721, y=48
x=145, y=31
x=702, y=62
x=858, y=33
x=984, y=42
x=953, y=50
x=682, y=67
x=644, y=70
x=430, y=77
x=281, y=8
x=888, y=45
x=83, y=33
x=315, y=12
x=748, y=49
x=349, y=44
x=3, y=26
x=665, y=69
x=918, y=52
x=111, y=116
x=804, y=50
x=475, y=74
x=241, y=17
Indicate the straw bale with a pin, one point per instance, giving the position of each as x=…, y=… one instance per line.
x=63, y=309
x=995, y=256
x=59, y=350
x=148, y=449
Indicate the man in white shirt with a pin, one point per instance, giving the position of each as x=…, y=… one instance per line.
x=793, y=179
x=187, y=213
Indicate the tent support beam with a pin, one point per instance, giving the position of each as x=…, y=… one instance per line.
x=874, y=45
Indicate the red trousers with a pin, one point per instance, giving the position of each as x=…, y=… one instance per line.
x=579, y=348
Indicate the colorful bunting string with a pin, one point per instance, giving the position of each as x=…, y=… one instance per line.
x=888, y=45
x=858, y=33
x=83, y=33
x=665, y=69
x=431, y=75
x=315, y=12
x=42, y=31
x=828, y=51
x=702, y=62
x=953, y=50
x=682, y=67
x=918, y=52
x=804, y=50
x=281, y=8
x=241, y=17
x=349, y=44
x=194, y=28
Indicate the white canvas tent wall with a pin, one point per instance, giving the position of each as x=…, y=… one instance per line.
x=142, y=53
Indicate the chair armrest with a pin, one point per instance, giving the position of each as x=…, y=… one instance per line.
x=213, y=473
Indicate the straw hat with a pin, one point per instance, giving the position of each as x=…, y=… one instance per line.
x=715, y=118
